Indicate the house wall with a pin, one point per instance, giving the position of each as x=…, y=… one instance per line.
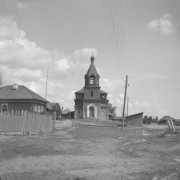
x=135, y=120
x=19, y=106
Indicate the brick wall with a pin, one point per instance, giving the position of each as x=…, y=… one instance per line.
x=78, y=111
x=87, y=93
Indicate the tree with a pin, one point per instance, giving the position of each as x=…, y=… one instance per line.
x=112, y=110
x=145, y=119
x=54, y=107
x=150, y=120
x=156, y=119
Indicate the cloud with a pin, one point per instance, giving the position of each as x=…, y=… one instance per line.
x=87, y=52
x=177, y=88
x=9, y=29
x=24, y=62
x=107, y=84
x=164, y=25
x=63, y=64
x=141, y=104
x=150, y=76
x=21, y=4
x=71, y=95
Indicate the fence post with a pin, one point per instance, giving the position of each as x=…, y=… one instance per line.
x=24, y=117
x=53, y=120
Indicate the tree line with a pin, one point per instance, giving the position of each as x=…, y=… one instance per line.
x=150, y=119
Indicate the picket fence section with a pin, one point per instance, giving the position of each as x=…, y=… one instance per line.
x=26, y=122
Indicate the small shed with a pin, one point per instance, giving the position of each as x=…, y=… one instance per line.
x=135, y=120
x=67, y=114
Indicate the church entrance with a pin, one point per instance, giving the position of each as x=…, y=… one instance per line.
x=91, y=113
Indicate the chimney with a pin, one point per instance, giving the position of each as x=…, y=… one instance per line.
x=15, y=86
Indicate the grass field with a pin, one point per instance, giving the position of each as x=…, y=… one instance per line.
x=92, y=150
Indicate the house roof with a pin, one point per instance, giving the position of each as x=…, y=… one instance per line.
x=135, y=114
x=66, y=111
x=82, y=91
x=165, y=118
x=22, y=92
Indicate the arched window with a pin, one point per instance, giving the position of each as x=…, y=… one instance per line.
x=91, y=80
x=91, y=109
x=103, y=112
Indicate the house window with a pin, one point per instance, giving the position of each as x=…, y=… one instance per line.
x=79, y=112
x=4, y=108
x=35, y=108
x=39, y=108
x=42, y=108
x=91, y=93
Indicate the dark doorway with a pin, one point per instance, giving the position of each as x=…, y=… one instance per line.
x=91, y=109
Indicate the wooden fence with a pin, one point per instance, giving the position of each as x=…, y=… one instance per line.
x=26, y=122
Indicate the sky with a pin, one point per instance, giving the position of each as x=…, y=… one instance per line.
x=138, y=38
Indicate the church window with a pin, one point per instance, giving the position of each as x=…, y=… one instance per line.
x=92, y=80
x=103, y=112
x=91, y=93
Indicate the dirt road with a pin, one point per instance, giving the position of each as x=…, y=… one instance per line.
x=91, y=151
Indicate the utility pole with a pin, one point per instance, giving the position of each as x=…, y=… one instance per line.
x=121, y=110
x=46, y=83
x=127, y=106
x=124, y=105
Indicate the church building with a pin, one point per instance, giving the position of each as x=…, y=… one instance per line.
x=91, y=101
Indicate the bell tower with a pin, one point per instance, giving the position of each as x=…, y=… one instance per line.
x=92, y=77
x=92, y=88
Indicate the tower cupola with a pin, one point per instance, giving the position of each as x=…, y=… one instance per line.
x=92, y=60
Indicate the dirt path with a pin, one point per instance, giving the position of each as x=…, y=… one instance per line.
x=98, y=153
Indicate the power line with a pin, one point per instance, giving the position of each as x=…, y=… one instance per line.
x=113, y=18
x=123, y=34
x=116, y=36
x=109, y=30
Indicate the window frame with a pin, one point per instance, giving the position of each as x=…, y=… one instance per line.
x=91, y=81
x=4, y=104
x=92, y=93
